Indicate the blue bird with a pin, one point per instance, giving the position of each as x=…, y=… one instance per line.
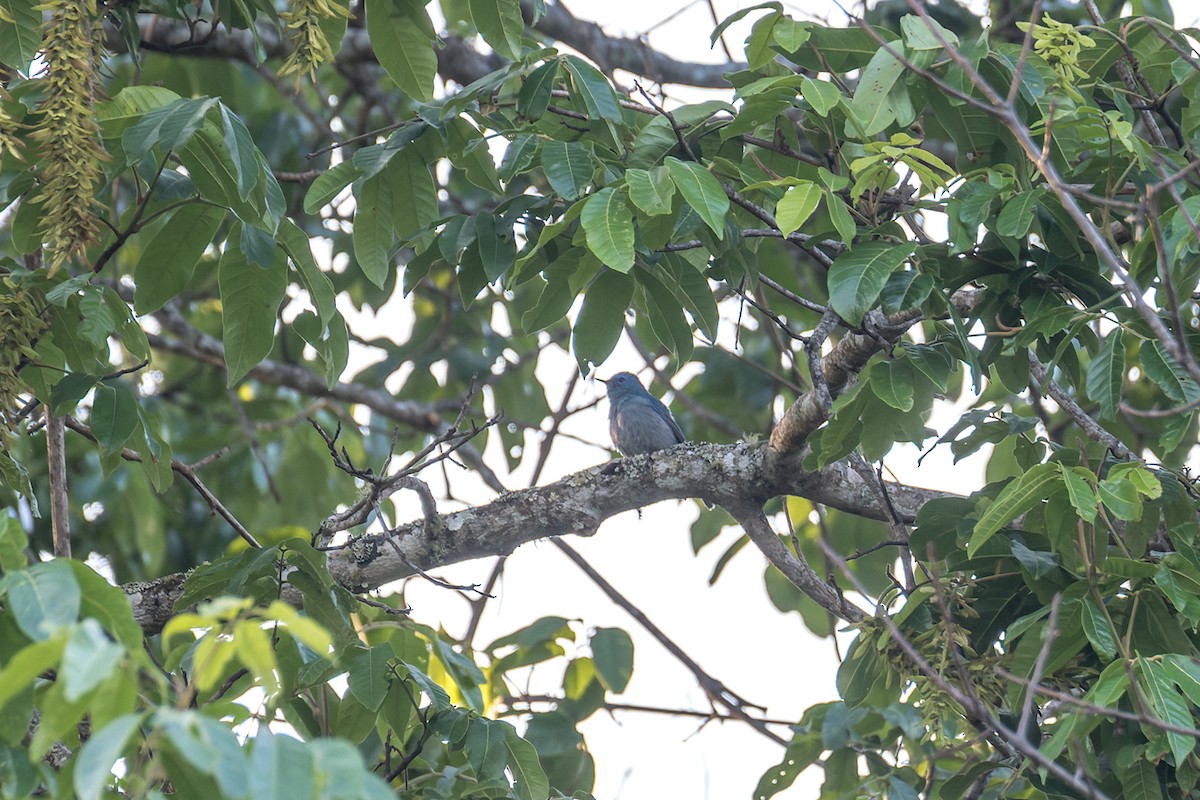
x=637, y=420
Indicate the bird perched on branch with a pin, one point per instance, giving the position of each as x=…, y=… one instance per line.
x=637, y=420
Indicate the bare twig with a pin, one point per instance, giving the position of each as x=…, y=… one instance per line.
x=189, y=475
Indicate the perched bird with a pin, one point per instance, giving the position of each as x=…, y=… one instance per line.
x=637, y=420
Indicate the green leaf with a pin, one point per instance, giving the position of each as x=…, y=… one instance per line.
x=250, y=297
x=114, y=415
x=859, y=275
x=612, y=651
x=568, y=167
x=1120, y=496
x=529, y=780
x=892, y=382
x=500, y=24
x=21, y=39
x=497, y=247
x=796, y=206
x=415, y=205
x=1099, y=634
x=1106, y=374
x=607, y=222
x=373, y=231
x=108, y=605
x=329, y=184
x=437, y=695
x=870, y=105
x=593, y=89
x=925, y=33
x=368, y=676
x=1018, y=214
x=843, y=220
x=904, y=290
x=403, y=49
x=1161, y=368
x=93, y=765
x=241, y=146
x=169, y=127
x=170, y=257
x=279, y=768
x=823, y=96
x=701, y=191
x=1015, y=499
x=1184, y=672
x=1079, y=491
x=1169, y=705
x=1139, y=780
x=43, y=599
x=534, y=97
x=651, y=191
x=89, y=658
x=601, y=318
x=741, y=14
x=320, y=288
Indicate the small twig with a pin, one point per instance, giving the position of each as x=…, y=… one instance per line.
x=1039, y=667
x=716, y=691
x=188, y=473
x=1093, y=429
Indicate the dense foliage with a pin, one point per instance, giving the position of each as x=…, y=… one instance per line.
x=861, y=222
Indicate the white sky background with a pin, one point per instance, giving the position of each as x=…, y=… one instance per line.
x=731, y=629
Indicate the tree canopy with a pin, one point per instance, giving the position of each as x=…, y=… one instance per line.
x=209, y=203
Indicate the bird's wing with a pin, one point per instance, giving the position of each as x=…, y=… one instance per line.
x=665, y=413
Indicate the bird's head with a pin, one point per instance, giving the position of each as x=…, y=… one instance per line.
x=623, y=383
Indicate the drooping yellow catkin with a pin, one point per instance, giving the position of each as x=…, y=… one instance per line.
x=68, y=135
x=10, y=141
x=311, y=47
x=21, y=324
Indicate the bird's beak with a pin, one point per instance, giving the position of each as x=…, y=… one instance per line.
x=602, y=380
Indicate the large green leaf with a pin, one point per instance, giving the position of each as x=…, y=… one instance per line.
x=169, y=127
x=872, y=111
x=43, y=599
x=534, y=96
x=169, y=259
x=612, y=650
x=1106, y=374
x=529, y=780
x=20, y=39
x=796, y=206
x=500, y=24
x=402, y=47
x=651, y=191
x=701, y=191
x=1015, y=499
x=1169, y=705
x=859, y=275
x=592, y=89
x=568, y=167
x=608, y=224
x=373, y=227
x=250, y=297
x=601, y=318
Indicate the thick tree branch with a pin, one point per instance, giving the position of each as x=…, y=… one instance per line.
x=735, y=475
x=458, y=60
x=839, y=367
x=631, y=55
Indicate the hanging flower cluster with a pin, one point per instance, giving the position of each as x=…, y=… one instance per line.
x=68, y=134
x=1060, y=44
x=311, y=45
